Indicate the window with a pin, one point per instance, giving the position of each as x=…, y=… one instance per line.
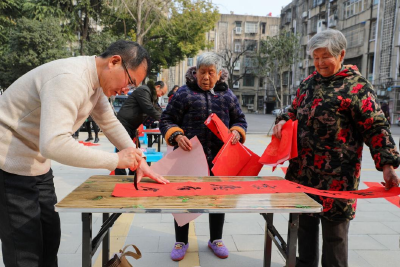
x=373, y=30
x=248, y=80
x=263, y=24
x=260, y=102
x=238, y=23
x=251, y=45
x=273, y=30
x=238, y=46
x=251, y=27
x=353, y=7
x=248, y=100
x=313, y=25
x=249, y=62
x=261, y=82
x=354, y=35
x=376, y=2
x=190, y=61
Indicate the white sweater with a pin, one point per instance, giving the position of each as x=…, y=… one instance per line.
x=41, y=110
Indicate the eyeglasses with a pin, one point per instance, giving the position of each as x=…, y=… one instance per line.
x=131, y=83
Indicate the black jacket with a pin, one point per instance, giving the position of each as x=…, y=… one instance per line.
x=139, y=105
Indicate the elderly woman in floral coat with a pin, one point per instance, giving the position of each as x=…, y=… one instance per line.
x=337, y=112
x=205, y=93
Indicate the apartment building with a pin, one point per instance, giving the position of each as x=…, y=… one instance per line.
x=371, y=28
x=239, y=35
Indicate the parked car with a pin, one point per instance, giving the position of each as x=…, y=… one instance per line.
x=119, y=101
x=276, y=111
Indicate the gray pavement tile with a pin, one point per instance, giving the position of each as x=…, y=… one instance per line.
x=166, y=243
x=67, y=260
x=376, y=216
x=244, y=217
x=355, y=260
x=239, y=259
x=202, y=241
x=368, y=228
x=144, y=243
x=202, y=228
x=166, y=217
x=385, y=206
x=394, y=225
x=391, y=242
x=151, y=229
x=154, y=259
x=380, y=258
x=364, y=242
x=147, y=218
x=249, y=242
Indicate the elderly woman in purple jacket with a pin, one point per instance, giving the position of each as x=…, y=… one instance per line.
x=205, y=93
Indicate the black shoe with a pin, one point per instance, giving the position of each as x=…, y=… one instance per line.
x=96, y=140
x=89, y=139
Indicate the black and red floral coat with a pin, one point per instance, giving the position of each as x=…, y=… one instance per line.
x=336, y=115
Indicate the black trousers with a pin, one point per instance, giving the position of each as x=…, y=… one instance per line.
x=216, y=223
x=334, y=246
x=95, y=129
x=29, y=226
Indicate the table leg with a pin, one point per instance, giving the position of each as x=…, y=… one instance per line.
x=106, y=242
x=293, y=227
x=267, y=242
x=159, y=143
x=86, y=239
x=149, y=140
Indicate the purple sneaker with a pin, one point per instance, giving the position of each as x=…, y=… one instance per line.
x=179, y=251
x=219, y=248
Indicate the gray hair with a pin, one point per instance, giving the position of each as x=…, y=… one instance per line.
x=331, y=39
x=209, y=59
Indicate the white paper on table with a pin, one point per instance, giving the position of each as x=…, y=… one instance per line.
x=188, y=163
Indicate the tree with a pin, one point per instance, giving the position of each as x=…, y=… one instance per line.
x=230, y=59
x=75, y=16
x=9, y=12
x=276, y=55
x=169, y=30
x=31, y=44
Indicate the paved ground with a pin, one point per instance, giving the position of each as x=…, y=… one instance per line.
x=374, y=235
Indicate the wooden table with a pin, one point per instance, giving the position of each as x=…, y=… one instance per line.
x=156, y=134
x=94, y=196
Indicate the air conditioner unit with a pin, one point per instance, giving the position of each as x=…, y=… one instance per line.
x=300, y=64
x=237, y=66
x=304, y=15
x=238, y=30
x=320, y=25
x=332, y=21
x=236, y=85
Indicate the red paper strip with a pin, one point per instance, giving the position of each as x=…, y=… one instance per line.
x=247, y=165
x=243, y=187
x=394, y=200
x=215, y=124
x=88, y=143
x=231, y=159
x=280, y=150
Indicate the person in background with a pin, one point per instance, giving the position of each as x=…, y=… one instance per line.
x=89, y=130
x=337, y=113
x=141, y=104
x=205, y=92
x=386, y=111
x=39, y=113
x=172, y=92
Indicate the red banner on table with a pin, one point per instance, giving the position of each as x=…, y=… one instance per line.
x=242, y=187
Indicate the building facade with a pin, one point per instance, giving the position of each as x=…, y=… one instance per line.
x=371, y=28
x=236, y=38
